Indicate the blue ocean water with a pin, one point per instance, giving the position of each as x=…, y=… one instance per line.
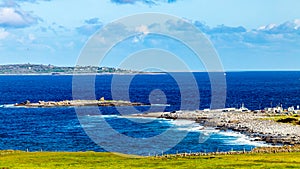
x=59, y=129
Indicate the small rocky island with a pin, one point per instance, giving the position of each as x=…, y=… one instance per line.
x=76, y=103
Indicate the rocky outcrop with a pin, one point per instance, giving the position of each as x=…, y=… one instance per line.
x=65, y=103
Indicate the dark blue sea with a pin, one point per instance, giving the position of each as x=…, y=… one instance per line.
x=106, y=129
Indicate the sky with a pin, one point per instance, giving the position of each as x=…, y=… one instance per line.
x=247, y=35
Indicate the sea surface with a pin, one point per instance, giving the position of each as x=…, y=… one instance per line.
x=69, y=128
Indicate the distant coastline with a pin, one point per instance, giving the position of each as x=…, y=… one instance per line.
x=40, y=69
x=81, y=74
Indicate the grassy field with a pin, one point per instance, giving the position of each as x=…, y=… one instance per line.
x=292, y=119
x=39, y=160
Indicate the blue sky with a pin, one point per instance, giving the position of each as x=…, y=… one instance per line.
x=247, y=35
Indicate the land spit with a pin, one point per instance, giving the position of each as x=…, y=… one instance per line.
x=65, y=103
x=256, y=125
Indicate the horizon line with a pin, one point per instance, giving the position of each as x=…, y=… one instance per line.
x=179, y=71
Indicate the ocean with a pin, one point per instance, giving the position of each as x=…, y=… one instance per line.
x=77, y=129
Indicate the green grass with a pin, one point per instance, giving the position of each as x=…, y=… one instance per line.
x=68, y=160
x=292, y=119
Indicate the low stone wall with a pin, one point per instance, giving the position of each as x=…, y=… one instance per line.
x=259, y=150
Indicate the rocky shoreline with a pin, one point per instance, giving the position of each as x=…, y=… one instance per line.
x=77, y=103
x=256, y=125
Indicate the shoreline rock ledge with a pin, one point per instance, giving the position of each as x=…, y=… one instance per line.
x=256, y=125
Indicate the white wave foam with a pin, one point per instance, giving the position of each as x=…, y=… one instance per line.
x=241, y=139
x=187, y=125
x=109, y=116
x=190, y=129
x=87, y=125
x=210, y=130
x=103, y=116
x=146, y=118
x=160, y=105
x=9, y=106
x=231, y=133
x=183, y=122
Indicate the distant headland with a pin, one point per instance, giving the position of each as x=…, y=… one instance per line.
x=28, y=68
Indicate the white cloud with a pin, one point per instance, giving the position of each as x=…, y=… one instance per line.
x=284, y=28
x=70, y=44
x=142, y=29
x=267, y=27
x=275, y=35
x=297, y=23
x=90, y=27
x=148, y=2
x=220, y=29
x=16, y=18
x=3, y=33
x=31, y=37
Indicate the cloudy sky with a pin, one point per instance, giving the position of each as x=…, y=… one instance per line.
x=247, y=35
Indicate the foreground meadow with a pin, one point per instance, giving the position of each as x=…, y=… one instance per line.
x=39, y=160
